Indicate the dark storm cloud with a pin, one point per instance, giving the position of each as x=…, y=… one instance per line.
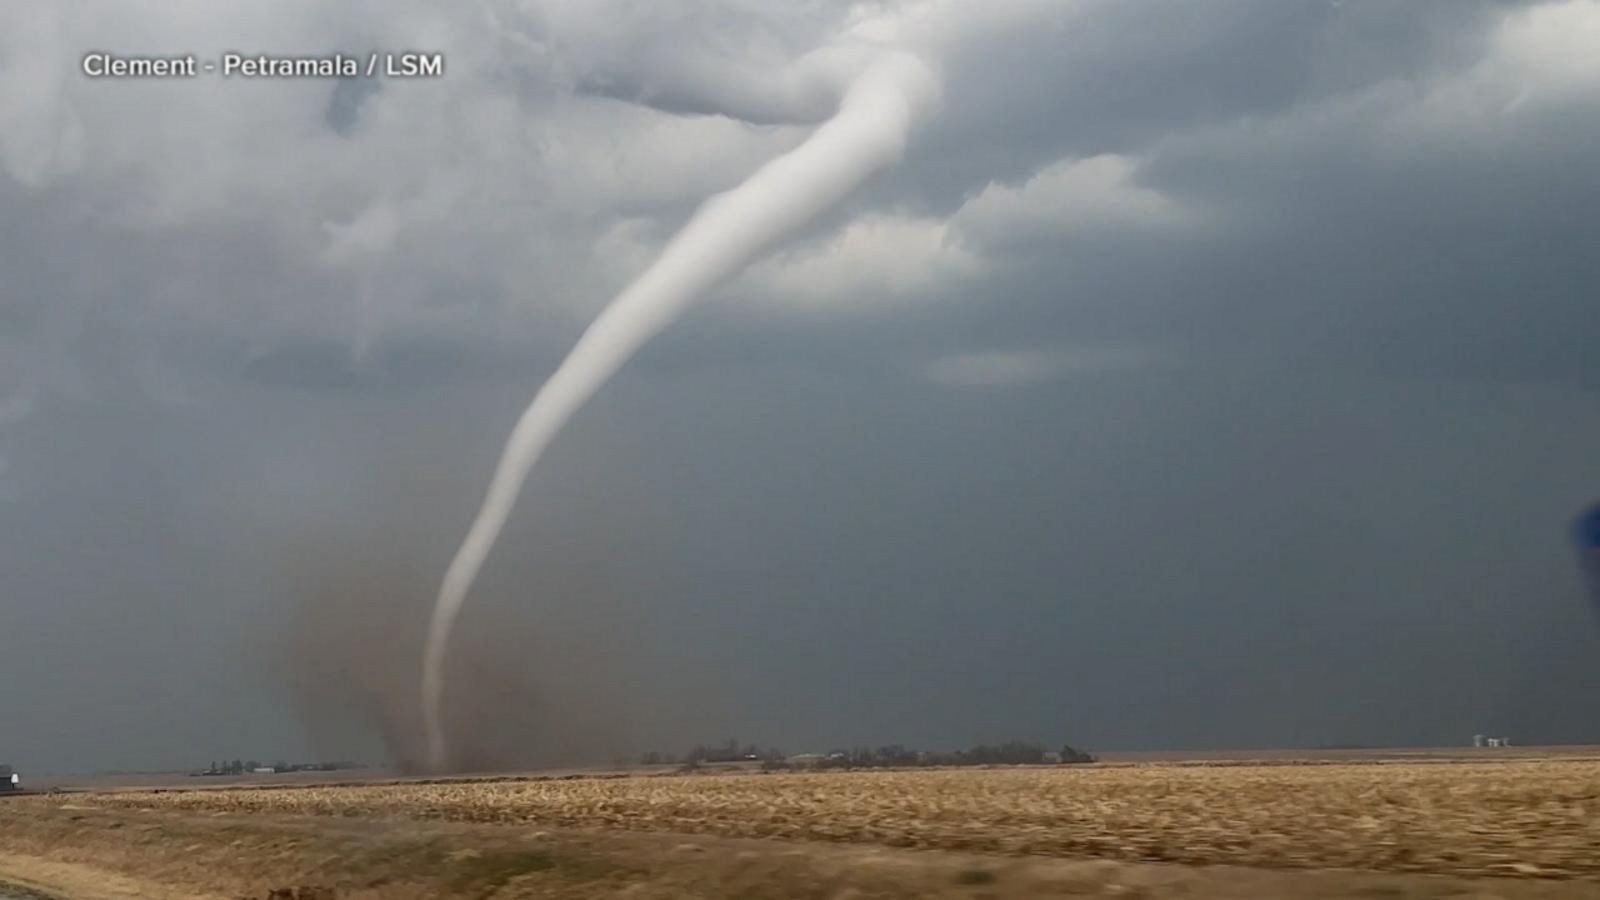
x=344, y=102
x=1131, y=74
x=1208, y=374
x=1448, y=256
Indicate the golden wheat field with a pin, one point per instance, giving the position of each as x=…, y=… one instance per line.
x=1511, y=817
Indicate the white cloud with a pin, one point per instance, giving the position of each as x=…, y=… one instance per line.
x=509, y=194
x=526, y=186
x=1540, y=62
x=867, y=262
x=1068, y=196
x=501, y=177
x=886, y=258
x=1000, y=368
x=1552, y=47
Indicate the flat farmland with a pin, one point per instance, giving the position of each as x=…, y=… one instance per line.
x=1517, y=817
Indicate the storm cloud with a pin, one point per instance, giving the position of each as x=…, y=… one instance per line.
x=1208, y=374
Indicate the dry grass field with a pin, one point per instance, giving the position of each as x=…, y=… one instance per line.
x=1535, y=821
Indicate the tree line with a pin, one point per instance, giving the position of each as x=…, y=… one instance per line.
x=240, y=767
x=1010, y=753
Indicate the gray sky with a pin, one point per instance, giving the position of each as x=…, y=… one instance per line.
x=1207, y=375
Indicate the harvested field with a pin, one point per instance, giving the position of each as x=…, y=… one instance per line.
x=1515, y=817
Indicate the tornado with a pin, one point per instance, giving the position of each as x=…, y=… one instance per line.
x=876, y=115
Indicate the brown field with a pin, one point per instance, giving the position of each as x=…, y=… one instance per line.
x=1435, y=827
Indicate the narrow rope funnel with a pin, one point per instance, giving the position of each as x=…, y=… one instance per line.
x=868, y=132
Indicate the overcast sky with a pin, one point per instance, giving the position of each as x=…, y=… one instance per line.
x=1207, y=375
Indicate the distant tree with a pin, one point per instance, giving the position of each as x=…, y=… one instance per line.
x=1020, y=753
x=650, y=759
x=894, y=755
x=1071, y=754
